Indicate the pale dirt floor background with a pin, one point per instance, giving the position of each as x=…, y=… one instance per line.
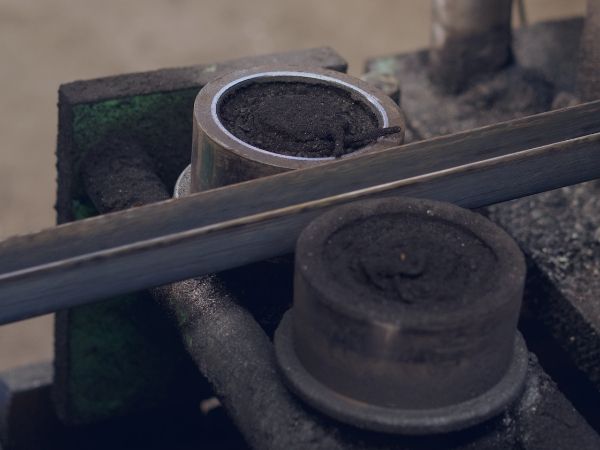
x=47, y=42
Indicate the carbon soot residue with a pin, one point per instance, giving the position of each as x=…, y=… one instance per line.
x=299, y=119
x=408, y=259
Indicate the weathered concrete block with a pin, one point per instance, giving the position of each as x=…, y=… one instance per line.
x=121, y=356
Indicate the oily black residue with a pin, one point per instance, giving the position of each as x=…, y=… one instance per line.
x=416, y=261
x=300, y=119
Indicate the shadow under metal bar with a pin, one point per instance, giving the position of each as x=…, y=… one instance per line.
x=152, y=245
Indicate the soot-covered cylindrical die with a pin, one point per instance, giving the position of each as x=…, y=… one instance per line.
x=267, y=120
x=404, y=317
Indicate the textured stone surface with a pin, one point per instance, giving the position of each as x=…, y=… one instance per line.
x=560, y=232
x=121, y=356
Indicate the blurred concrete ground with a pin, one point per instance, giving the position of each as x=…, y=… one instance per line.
x=47, y=42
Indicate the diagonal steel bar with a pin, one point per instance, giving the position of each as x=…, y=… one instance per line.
x=92, y=259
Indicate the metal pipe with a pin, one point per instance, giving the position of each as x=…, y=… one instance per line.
x=237, y=357
x=469, y=38
x=588, y=77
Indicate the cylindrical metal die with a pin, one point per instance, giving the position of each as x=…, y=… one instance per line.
x=404, y=317
x=220, y=158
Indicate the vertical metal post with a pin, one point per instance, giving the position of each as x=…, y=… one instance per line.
x=468, y=38
x=588, y=77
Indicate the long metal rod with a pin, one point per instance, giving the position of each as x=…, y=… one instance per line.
x=89, y=260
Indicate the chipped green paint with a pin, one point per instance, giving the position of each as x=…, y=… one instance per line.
x=92, y=122
x=83, y=208
x=181, y=316
x=189, y=341
x=123, y=354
